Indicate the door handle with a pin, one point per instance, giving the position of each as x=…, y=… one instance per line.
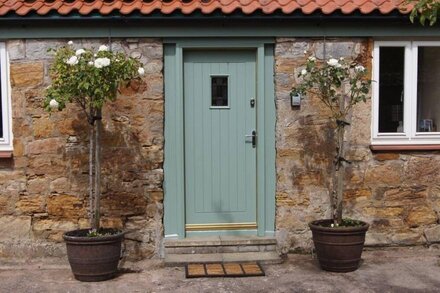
x=253, y=136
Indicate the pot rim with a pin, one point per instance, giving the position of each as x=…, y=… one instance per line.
x=313, y=225
x=67, y=237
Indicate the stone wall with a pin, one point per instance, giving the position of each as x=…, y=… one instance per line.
x=43, y=188
x=397, y=193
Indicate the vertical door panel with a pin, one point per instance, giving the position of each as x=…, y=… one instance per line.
x=220, y=163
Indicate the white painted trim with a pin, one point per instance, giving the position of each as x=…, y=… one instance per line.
x=6, y=140
x=410, y=134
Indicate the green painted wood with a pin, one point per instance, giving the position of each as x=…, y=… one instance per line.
x=170, y=165
x=174, y=152
x=220, y=166
x=269, y=140
x=226, y=29
x=173, y=166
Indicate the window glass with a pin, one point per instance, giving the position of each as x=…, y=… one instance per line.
x=428, y=89
x=391, y=76
x=219, y=91
x=1, y=107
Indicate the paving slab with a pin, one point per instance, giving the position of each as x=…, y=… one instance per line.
x=415, y=269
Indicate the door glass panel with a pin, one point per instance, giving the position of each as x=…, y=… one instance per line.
x=428, y=89
x=391, y=73
x=219, y=91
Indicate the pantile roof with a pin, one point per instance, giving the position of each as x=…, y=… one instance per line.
x=146, y=7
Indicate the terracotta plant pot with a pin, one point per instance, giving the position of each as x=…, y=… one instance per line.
x=338, y=249
x=93, y=259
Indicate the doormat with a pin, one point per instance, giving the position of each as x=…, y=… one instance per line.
x=220, y=269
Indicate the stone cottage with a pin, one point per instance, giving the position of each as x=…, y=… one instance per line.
x=211, y=144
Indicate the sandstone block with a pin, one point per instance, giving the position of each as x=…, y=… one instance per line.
x=52, y=229
x=111, y=223
x=38, y=186
x=386, y=156
x=423, y=170
x=421, y=216
x=45, y=146
x=386, y=174
x=46, y=165
x=156, y=196
x=18, y=148
x=384, y=212
x=27, y=74
x=43, y=127
x=16, y=49
x=59, y=185
x=14, y=228
x=37, y=49
x=31, y=204
x=432, y=234
x=335, y=49
x=66, y=206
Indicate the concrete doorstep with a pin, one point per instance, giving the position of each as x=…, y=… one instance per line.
x=410, y=269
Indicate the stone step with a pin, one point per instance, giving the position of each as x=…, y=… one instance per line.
x=219, y=244
x=270, y=257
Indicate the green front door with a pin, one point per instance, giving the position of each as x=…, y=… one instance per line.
x=220, y=151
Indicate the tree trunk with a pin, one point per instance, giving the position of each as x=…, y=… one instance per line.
x=97, y=197
x=91, y=165
x=339, y=170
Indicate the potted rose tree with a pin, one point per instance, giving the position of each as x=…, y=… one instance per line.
x=339, y=85
x=90, y=79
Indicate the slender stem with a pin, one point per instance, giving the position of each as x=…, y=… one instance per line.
x=338, y=178
x=97, y=169
x=91, y=150
x=340, y=172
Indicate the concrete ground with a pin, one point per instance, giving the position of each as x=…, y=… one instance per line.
x=413, y=269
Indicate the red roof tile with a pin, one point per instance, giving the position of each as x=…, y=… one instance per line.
x=145, y=7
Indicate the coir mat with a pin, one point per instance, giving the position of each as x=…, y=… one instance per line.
x=221, y=269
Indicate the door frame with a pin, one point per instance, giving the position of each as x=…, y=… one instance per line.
x=174, y=180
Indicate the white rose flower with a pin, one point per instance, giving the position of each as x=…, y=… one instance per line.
x=141, y=71
x=54, y=104
x=102, y=62
x=333, y=62
x=79, y=52
x=72, y=60
x=91, y=63
x=303, y=72
x=359, y=68
x=305, y=51
x=341, y=59
x=312, y=58
x=70, y=43
x=103, y=48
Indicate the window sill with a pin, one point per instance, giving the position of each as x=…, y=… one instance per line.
x=405, y=147
x=5, y=154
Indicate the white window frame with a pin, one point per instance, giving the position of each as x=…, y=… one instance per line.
x=6, y=140
x=409, y=136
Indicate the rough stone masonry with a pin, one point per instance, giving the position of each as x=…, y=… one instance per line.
x=43, y=188
x=397, y=193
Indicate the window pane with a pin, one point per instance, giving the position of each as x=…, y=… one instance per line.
x=428, y=89
x=391, y=72
x=1, y=109
x=219, y=90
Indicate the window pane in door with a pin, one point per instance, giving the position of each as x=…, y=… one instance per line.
x=391, y=73
x=1, y=109
x=219, y=91
x=428, y=89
